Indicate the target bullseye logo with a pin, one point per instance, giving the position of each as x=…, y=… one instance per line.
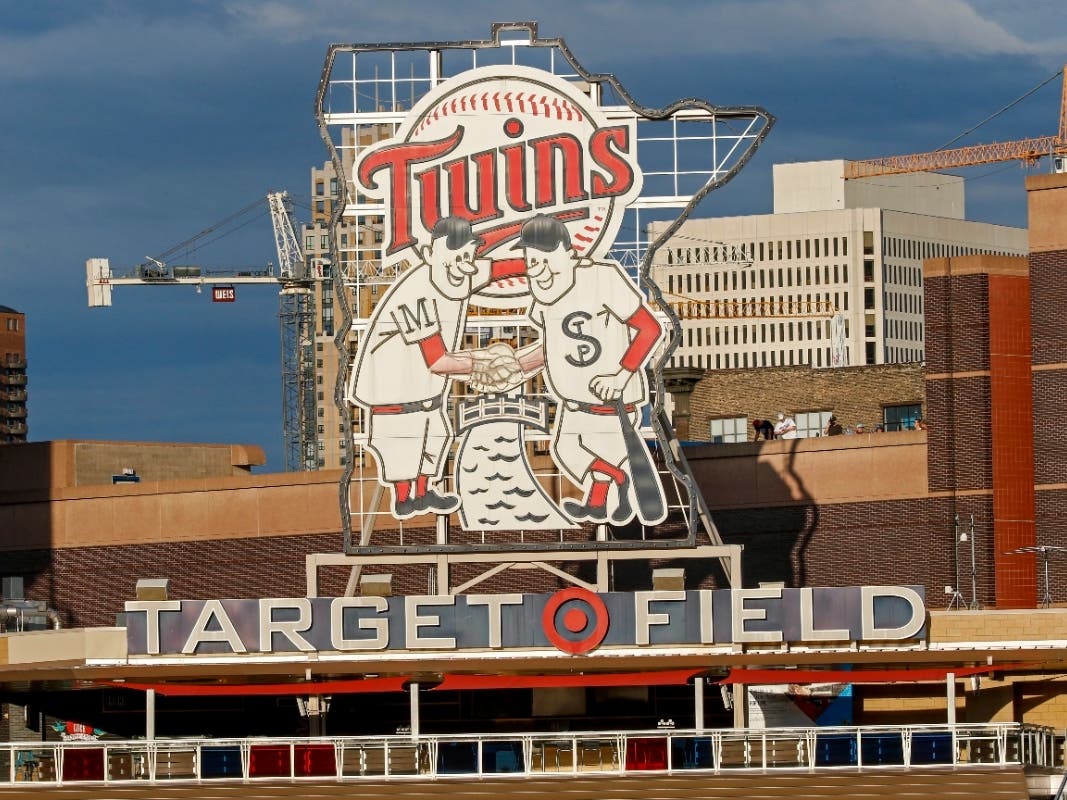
x=575, y=620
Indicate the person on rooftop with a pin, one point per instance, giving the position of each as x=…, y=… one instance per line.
x=786, y=427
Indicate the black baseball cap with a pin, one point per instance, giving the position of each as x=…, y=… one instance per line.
x=543, y=233
x=455, y=231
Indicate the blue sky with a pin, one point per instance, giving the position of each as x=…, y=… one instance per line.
x=127, y=127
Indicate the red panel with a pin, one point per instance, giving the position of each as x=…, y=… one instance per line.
x=269, y=761
x=666, y=678
x=646, y=754
x=315, y=760
x=83, y=764
x=1012, y=445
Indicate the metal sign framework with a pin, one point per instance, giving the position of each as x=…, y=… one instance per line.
x=684, y=150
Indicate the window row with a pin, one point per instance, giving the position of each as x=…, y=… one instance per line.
x=919, y=250
x=758, y=334
x=811, y=424
x=902, y=275
x=816, y=357
x=907, y=303
x=904, y=329
x=903, y=355
x=743, y=279
x=775, y=250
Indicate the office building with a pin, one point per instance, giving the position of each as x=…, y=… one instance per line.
x=832, y=278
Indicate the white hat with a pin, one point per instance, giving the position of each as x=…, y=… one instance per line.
x=781, y=415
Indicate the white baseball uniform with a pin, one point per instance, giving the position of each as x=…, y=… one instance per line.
x=586, y=334
x=392, y=377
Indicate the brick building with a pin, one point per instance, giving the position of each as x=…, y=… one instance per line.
x=13, y=425
x=892, y=395
x=872, y=509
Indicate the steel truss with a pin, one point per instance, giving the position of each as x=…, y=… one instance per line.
x=685, y=150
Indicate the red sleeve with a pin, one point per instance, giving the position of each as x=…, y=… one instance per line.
x=507, y=268
x=648, y=333
x=433, y=347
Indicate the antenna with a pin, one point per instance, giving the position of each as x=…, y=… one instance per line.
x=956, y=601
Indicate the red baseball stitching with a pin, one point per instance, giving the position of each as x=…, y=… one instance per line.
x=543, y=105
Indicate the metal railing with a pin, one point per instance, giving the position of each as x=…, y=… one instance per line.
x=467, y=756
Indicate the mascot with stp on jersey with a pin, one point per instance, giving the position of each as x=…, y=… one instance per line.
x=597, y=335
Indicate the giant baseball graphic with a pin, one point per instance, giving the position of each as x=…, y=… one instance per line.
x=505, y=189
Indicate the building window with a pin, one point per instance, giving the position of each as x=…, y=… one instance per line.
x=728, y=429
x=901, y=418
x=811, y=423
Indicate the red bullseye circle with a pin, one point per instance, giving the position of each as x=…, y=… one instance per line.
x=513, y=128
x=574, y=620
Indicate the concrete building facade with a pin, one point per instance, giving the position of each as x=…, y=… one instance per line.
x=358, y=247
x=853, y=248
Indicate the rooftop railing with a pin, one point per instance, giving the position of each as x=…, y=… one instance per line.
x=469, y=756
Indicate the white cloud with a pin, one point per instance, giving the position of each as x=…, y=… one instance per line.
x=120, y=40
x=957, y=27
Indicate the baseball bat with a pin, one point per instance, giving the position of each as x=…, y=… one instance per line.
x=651, y=507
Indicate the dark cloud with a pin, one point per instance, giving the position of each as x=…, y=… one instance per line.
x=129, y=126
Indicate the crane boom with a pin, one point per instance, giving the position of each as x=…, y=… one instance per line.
x=296, y=311
x=1026, y=150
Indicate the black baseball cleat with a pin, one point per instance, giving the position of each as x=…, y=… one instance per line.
x=585, y=511
x=402, y=509
x=438, y=503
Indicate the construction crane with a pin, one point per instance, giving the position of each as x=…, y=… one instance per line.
x=296, y=312
x=1029, y=151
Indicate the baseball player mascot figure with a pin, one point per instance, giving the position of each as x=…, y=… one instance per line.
x=407, y=359
x=597, y=335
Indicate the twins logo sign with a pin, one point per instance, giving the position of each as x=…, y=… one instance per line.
x=505, y=188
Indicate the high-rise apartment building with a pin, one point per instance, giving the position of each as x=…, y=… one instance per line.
x=358, y=248
x=12, y=376
x=837, y=263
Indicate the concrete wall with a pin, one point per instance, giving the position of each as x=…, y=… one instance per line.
x=1046, y=197
x=65, y=463
x=821, y=186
